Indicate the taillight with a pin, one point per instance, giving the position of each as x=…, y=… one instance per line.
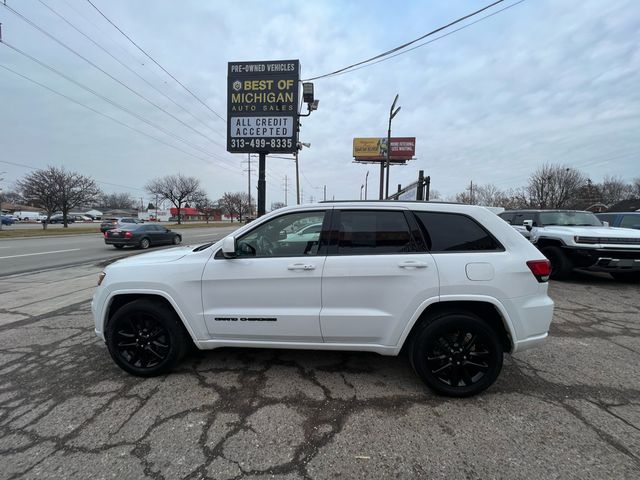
x=541, y=269
x=128, y=234
x=106, y=233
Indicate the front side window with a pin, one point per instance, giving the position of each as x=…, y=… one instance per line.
x=451, y=232
x=630, y=221
x=284, y=236
x=374, y=233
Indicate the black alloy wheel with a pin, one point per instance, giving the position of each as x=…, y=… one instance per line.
x=177, y=239
x=145, y=339
x=144, y=243
x=457, y=354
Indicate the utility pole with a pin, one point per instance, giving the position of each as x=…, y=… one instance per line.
x=471, y=193
x=297, y=176
x=392, y=114
x=366, y=184
x=324, y=193
x=249, y=183
x=286, y=191
x=262, y=183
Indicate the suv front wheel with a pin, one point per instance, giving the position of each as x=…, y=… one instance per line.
x=146, y=339
x=456, y=354
x=561, y=265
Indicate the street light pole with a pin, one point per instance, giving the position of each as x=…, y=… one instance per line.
x=392, y=114
x=366, y=184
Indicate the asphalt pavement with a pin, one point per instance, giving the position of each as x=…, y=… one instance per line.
x=570, y=409
x=21, y=255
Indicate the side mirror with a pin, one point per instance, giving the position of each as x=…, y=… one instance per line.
x=229, y=247
x=528, y=224
x=605, y=224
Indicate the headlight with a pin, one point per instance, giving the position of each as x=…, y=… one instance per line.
x=101, y=278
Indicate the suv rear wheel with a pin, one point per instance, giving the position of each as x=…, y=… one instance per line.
x=561, y=266
x=146, y=339
x=457, y=354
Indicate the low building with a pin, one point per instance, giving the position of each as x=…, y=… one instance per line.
x=189, y=214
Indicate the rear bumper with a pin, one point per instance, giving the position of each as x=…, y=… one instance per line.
x=120, y=241
x=531, y=317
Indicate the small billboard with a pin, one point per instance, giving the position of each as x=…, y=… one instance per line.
x=375, y=149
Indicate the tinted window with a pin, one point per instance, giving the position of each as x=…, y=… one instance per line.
x=449, y=232
x=507, y=216
x=570, y=218
x=374, y=233
x=606, y=217
x=630, y=221
x=520, y=217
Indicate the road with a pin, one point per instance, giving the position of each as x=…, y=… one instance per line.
x=569, y=409
x=21, y=255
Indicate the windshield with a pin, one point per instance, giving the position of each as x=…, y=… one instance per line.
x=571, y=219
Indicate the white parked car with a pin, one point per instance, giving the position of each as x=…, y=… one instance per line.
x=452, y=285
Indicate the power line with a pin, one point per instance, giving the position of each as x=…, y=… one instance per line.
x=110, y=117
x=64, y=45
x=111, y=102
x=432, y=40
x=62, y=17
x=154, y=61
x=404, y=45
x=31, y=167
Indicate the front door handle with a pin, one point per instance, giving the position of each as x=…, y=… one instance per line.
x=412, y=264
x=301, y=266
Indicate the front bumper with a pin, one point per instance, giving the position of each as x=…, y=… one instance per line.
x=605, y=259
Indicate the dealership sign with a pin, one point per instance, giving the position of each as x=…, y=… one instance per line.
x=262, y=106
x=375, y=149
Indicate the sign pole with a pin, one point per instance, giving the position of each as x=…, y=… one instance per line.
x=381, y=180
x=262, y=183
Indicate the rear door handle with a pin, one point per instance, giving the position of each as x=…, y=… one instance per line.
x=301, y=266
x=412, y=264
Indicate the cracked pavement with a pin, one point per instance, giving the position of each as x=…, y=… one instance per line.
x=570, y=409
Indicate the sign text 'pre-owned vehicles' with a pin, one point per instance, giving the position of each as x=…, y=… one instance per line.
x=452, y=285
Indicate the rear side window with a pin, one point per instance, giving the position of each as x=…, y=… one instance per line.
x=452, y=232
x=371, y=232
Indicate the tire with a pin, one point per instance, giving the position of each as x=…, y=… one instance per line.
x=561, y=265
x=627, y=277
x=145, y=243
x=177, y=239
x=442, y=351
x=146, y=339
x=119, y=247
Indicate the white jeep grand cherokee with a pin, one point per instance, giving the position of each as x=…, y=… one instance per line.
x=453, y=286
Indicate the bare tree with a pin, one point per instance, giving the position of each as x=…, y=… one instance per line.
x=277, y=205
x=74, y=190
x=116, y=201
x=204, y=205
x=635, y=187
x=11, y=197
x=229, y=203
x=554, y=186
x=614, y=190
x=178, y=189
x=244, y=207
x=55, y=188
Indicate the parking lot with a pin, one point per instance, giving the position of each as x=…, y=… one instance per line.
x=570, y=409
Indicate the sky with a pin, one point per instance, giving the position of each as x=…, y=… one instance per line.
x=555, y=81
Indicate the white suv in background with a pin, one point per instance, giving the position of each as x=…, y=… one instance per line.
x=452, y=285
